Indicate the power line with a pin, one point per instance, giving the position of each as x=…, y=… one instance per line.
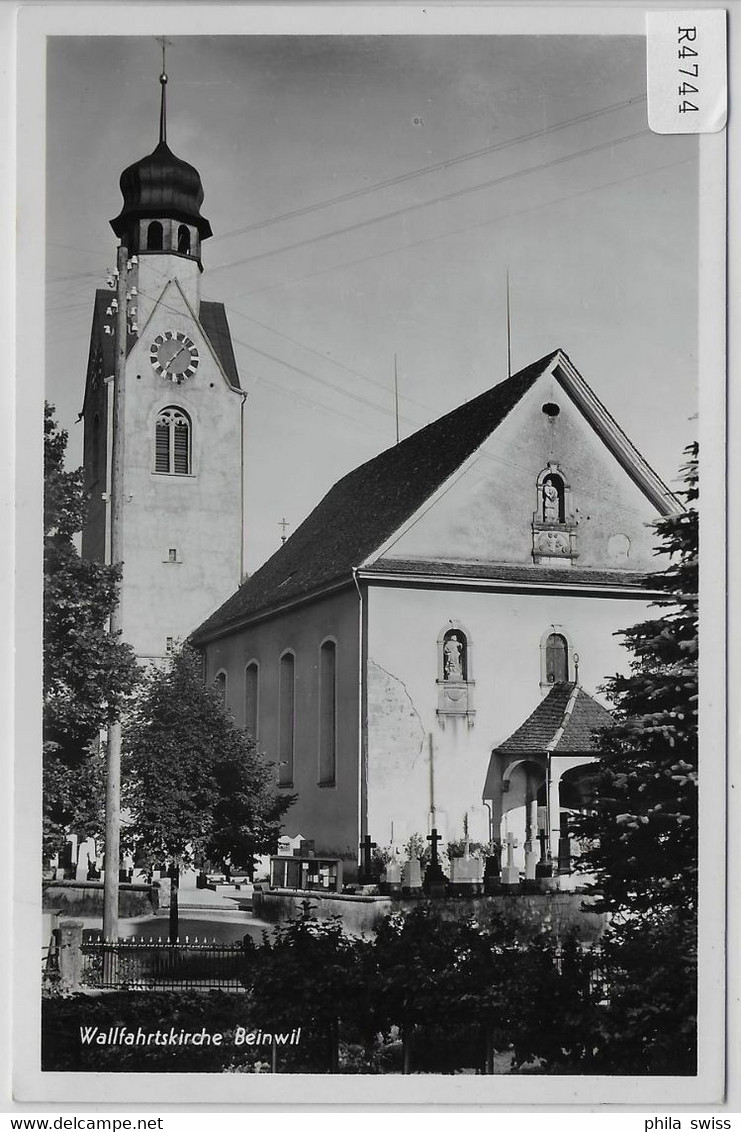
x=364, y=190
x=458, y=231
x=487, y=456
x=317, y=353
x=453, y=195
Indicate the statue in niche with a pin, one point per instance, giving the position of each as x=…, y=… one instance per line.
x=550, y=502
x=453, y=659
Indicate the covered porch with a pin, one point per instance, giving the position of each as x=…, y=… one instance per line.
x=539, y=777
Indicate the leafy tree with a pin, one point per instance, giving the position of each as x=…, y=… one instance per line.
x=644, y=830
x=88, y=674
x=194, y=783
x=309, y=974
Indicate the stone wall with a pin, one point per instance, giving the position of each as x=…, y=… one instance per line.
x=535, y=914
x=85, y=898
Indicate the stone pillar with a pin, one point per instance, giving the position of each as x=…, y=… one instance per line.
x=531, y=824
x=554, y=810
x=510, y=871
x=70, y=954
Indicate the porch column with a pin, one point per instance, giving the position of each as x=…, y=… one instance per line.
x=554, y=808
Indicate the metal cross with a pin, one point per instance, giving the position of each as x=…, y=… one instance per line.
x=433, y=837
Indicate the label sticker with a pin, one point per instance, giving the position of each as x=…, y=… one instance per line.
x=686, y=71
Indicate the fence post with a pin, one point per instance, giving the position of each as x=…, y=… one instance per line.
x=70, y=953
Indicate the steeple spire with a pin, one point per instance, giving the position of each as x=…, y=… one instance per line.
x=163, y=98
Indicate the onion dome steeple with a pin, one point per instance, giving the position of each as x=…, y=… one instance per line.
x=162, y=201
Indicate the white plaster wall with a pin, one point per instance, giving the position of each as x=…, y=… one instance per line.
x=153, y=273
x=199, y=515
x=506, y=629
x=327, y=814
x=487, y=513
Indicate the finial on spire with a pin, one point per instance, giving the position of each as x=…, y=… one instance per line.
x=163, y=101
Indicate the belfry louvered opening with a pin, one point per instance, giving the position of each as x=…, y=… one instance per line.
x=172, y=442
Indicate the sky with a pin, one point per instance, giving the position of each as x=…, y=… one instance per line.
x=368, y=195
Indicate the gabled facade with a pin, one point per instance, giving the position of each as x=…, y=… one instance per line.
x=430, y=602
x=183, y=429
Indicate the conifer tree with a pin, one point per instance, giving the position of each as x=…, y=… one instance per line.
x=644, y=831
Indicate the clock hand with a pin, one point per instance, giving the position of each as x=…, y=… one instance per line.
x=174, y=356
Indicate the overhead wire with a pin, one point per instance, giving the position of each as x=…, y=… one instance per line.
x=425, y=170
x=417, y=205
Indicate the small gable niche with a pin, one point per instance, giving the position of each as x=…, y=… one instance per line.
x=554, y=518
x=455, y=682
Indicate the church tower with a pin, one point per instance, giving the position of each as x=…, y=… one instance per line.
x=182, y=412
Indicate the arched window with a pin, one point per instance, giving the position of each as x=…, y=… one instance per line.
x=327, y=713
x=251, y=692
x=286, y=718
x=556, y=659
x=154, y=237
x=220, y=686
x=553, y=499
x=172, y=442
x=184, y=239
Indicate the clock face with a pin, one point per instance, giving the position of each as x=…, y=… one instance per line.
x=174, y=356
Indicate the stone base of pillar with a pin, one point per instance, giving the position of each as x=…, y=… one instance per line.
x=510, y=874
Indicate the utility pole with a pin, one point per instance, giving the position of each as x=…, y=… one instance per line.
x=113, y=758
x=396, y=399
x=509, y=333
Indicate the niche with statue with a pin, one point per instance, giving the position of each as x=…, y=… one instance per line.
x=554, y=518
x=455, y=683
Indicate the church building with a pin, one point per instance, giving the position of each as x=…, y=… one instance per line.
x=183, y=407
x=427, y=647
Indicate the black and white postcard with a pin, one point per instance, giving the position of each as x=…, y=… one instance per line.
x=369, y=672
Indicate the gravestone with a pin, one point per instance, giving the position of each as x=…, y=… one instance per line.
x=511, y=872
x=85, y=855
x=411, y=876
x=544, y=867
x=365, y=875
x=493, y=869
x=531, y=860
x=466, y=870
x=436, y=882
x=392, y=876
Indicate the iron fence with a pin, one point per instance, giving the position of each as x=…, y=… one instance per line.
x=155, y=964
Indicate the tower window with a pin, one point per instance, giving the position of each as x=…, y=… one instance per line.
x=251, y=691
x=184, y=240
x=172, y=442
x=172, y=554
x=286, y=718
x=556, y=659
x=327, y=713
x=154, y=237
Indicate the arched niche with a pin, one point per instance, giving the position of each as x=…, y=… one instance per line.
x=455, y=681
x=554, y=518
